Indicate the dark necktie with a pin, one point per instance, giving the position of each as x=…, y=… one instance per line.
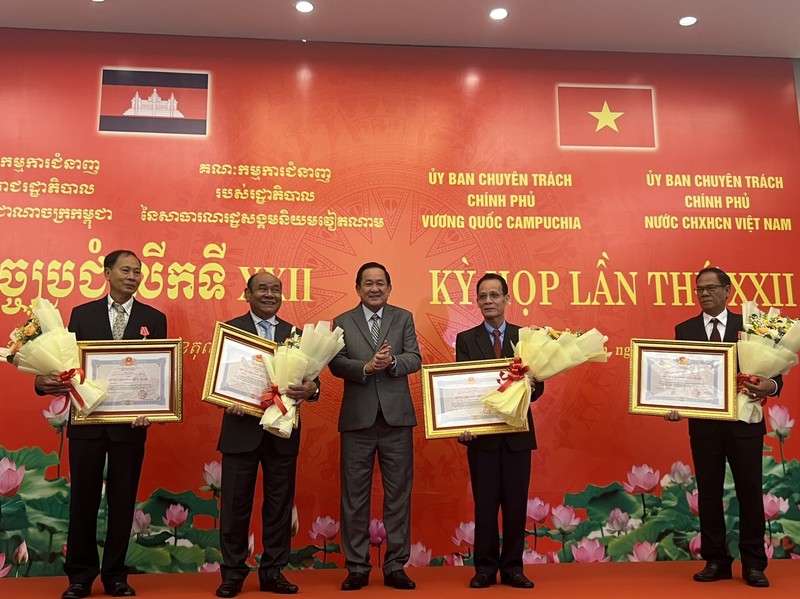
x=498, y=349
x=714, y=331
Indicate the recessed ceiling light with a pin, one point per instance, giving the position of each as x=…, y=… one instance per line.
x=98, y=0
x=303, y=6
x=687, y=21
x=498, y=14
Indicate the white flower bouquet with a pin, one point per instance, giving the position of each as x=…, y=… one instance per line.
x=298, y=358
x=767, y=347
x=44, y=346
x=540, y=354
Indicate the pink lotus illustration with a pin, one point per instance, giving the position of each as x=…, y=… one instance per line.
x=465, y=535
x=694, y=546
x=588, y=551
x=141, y=523
x=324, y=529
x=691, y=499
x=564, y=519
x=4, y=571
x=377, y=532
x=212, y=475
x=530, y=558
x=538, y=510
x=10, y=477
x=58, y=413
x=618, y=522
x=552, y=557
x=679, y=474
x=644, y=552
x=209, y=567
x=21, y=554
x=453, y=559
x=780, y=421
x=420, y=556
x=641, y=479
x=769, y=550
x=176, y=516
x=251, y=545
x=774, y=506
x=793, y=555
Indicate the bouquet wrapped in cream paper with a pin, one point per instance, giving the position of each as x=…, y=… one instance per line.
x=44, y=346
x=767, y=347
x=540, y=354
x=298, y=358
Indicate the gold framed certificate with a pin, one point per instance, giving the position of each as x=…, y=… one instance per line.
x=451, y=399
x=236, y=373
x=142, y=377
x=695, y=378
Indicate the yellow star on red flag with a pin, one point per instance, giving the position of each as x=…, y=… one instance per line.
x=606, y=118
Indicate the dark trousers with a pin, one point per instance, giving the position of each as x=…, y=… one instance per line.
x=500, y=480
x=239, y=474
x=744, y=456
x=87, y=459
x=394, y=446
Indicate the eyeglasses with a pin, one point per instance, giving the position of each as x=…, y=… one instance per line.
x=493, y=295
x=707, y=288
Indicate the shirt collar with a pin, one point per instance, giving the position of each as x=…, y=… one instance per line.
x=368, y=313
x=722, y=317
x=127, y=306
x=273, y=320
x=490, y=328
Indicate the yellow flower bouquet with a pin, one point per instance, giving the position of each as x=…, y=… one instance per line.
x=44, y=346
x=767, y=347
x=298, y=358
x=540, y=354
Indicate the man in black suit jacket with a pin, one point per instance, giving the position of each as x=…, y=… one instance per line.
x=121, y=444
x=739, y=443
x=499, y=465
x=244, y=445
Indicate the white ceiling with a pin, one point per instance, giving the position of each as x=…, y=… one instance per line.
x=726, y=27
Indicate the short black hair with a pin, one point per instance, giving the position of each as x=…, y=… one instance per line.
x=492, y=276
x=255, y=274
x=722, y=276
x=112, y=258
x=372, y=265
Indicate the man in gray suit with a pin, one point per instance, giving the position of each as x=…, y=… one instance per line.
x=244, y=445
x=376, y=417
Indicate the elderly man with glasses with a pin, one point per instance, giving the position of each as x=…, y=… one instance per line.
x=715, y=442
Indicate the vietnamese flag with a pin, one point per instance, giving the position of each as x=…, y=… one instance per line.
x=606, y=116
x=154, y=102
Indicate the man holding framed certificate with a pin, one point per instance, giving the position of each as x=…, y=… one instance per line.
x=116, y=316
x=715, y=442
x=245, y=445
x=500, y=464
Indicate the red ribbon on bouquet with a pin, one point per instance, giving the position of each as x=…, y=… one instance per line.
x=66, y=377
x=272, y=396
x=515, y=372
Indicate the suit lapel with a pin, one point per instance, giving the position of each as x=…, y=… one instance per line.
x=358, y=319
x=386, y=323
x=282, y=331
x=483, y=343
x=102, y=319
x=732, y=327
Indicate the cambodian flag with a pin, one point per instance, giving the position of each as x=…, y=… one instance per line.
x=154, y=102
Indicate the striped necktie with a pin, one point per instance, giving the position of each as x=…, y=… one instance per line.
x=375, y=328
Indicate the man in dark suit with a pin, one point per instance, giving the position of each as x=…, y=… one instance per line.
x=499, y=465
x=116, y=316
x=376, y=417
x=244, y=445
x=739, y=443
